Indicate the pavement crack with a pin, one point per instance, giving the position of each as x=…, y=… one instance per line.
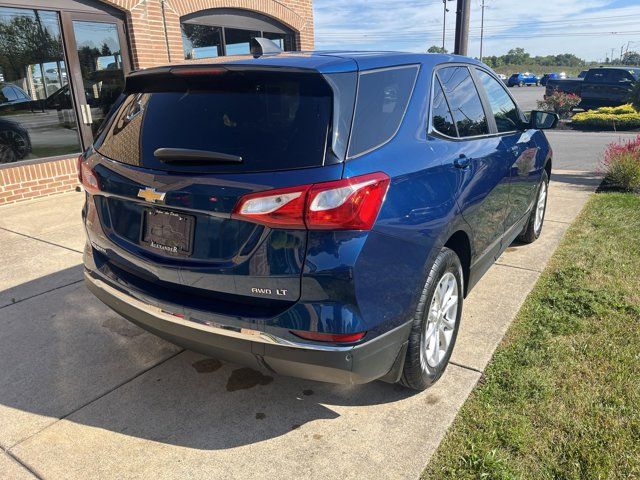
x=41, y=240
x=21, y=463
x=519, y=268
x=38, y=294
x=466, y=367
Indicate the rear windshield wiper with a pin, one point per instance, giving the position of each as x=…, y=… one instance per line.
x=188, y=155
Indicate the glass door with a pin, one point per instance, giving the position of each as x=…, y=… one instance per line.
x=99, y=64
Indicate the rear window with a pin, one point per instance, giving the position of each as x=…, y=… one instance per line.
x=383, y=96
x=273, y=121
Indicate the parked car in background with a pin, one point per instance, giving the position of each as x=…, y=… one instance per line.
x=252, y=231
x=552, y=76
x=15, y=142
x=601, y=87
x=522, y=79
x=502, y=77
x=13, y=97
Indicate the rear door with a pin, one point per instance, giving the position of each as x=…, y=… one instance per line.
x=482, y=172
x=166, y=218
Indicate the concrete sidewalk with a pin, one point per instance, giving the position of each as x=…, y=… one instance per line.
x=85, y=394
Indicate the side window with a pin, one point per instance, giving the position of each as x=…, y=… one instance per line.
x=9, y=93
x=596, y=76
x=620, y=76
x=383, y=96
x=441, y=117
x=503, y=108
x=464, y=101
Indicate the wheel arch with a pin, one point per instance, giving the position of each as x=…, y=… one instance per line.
x=460, y=243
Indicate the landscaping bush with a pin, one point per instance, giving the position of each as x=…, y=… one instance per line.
x=560, y=103
x=624, y=117
x=621, y=164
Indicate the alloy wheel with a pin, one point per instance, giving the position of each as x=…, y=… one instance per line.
x=441, y=321
x=540, y=207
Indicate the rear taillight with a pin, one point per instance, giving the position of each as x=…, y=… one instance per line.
x=347, y=204
x=329, y=337
x=79, y=167
x=88, y=178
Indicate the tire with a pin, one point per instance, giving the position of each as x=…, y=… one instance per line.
x=537, y=84
x=521, y=84
x=533, y=228
x=423, y=366
x=14, y=145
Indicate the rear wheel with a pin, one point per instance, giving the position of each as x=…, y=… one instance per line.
x=435, y=324
x=14, y=145
x=521, y=84
x=533, y=228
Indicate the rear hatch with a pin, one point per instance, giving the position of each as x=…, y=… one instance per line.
x=176, y=155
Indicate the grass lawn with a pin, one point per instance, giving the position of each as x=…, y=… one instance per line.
x=561, y=397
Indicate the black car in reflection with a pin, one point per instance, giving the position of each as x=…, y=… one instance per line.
x=15, y=142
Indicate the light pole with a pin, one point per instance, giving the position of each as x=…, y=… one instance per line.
x=481, y=29
x=444, y=21
x=462, y=27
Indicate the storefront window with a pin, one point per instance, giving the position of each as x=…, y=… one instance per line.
x=201, y=41
x=237, y=41
x=36, y=113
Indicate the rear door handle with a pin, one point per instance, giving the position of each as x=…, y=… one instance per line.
x=462, y=161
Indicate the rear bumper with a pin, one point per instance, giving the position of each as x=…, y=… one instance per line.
x=381, y=357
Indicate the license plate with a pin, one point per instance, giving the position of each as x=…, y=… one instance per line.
x=168, y=232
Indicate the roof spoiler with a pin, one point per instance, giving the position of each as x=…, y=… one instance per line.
x=261, y=46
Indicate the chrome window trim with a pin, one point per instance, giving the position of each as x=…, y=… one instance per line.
x=404, y=113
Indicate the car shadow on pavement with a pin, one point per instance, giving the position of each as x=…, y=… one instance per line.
x=65, y=355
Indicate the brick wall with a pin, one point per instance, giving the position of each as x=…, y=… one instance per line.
x=150, y=47
x=41, y=179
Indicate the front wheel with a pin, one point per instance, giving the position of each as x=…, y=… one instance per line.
x=435, y=323
x=533, y=228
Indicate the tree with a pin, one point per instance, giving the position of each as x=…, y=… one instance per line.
x=516, y=56
x=631, y=58
x=436, y=49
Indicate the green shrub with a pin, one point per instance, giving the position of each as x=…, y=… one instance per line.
x=560, y=103
x=624, y=117
x=621, y=164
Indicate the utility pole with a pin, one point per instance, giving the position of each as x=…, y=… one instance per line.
x=611, y=59
x=462, y=27
x=481, y=29
x=444, y=22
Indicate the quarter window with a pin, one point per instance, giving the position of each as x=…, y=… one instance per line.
x=442, y=119
x=383, y=96
x=464, y=101
x=504, y=109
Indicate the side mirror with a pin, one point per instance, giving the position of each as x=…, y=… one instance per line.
x=543, y=120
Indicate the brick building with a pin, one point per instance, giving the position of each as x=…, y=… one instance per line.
x=63, y=62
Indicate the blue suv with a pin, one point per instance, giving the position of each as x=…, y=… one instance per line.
x=522, y=79
x=320, y=215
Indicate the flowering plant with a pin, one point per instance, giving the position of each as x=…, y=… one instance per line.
x=621, y=164
x=560, y=103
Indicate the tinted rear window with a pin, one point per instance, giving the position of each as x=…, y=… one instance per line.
x=383, y=96
x=274, y=121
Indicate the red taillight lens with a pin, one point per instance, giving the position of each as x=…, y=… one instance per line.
x=282, y=208
x=79, y=167
x=329, y=337
x=88, y=178
x=347, y=204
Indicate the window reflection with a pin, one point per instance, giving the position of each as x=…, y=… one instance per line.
x=201, y=41
x=36, y=119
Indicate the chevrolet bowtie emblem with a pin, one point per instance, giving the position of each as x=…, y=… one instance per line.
x=151, y=195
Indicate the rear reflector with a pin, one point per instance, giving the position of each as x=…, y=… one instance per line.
x=347, y=204
x=329, y=337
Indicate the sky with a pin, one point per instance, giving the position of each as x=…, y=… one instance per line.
x=586, y=28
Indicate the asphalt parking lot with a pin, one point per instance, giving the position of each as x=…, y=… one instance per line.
x=84, y=394
x=527, y=97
